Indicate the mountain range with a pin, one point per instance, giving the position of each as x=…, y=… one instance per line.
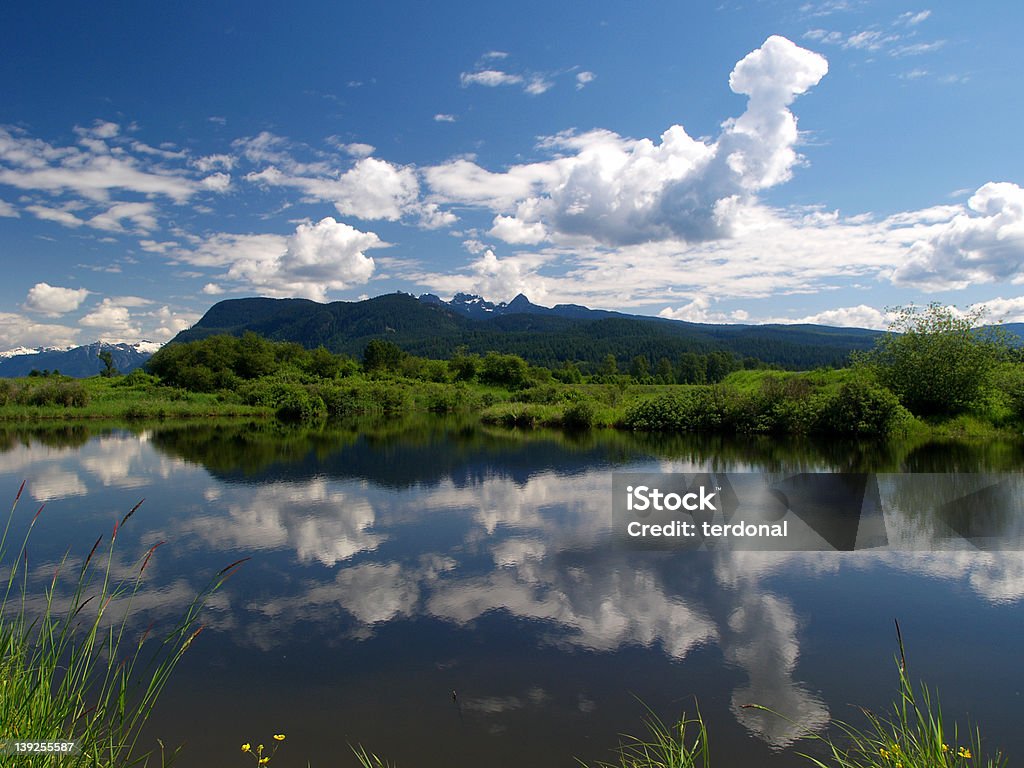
x=431, y=327
x=79, y=362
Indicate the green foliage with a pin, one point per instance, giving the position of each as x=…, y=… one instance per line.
x=861, y=408
x=66, y=393
x=937, y=361
x=690, y=409
x=578, y=415
x=382, y=355
x=463, y=366
x=504, y=370
x=108, y=363
x=915, y=735
x=682, y=745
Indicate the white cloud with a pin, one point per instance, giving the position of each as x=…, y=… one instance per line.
x=63, y=217
x=113, y=322
x=100, y=129
x=496, y=279
x=317, y=258
x=583, y=79
x=375, y=189
x=141, y=215
x=916, y=49
x=7, y=210
x=53, y=300
x=441, y=117
x=21, y=331
x=93, y=173
x=490, y=78
x=537, y=85
x=217, y=182
x=983, y=242
x=212, y=289
x=618, y=191
x=358, y=150
x=370, y=189
x=154, y=246
x=513, y=230
x=911, y=19
x=860, y=316
x=209, y=163
x=167, y=323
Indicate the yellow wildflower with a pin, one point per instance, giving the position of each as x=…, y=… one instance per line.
x=264, y=760
x=279, y=736
x=246, y=747
x=964, y=752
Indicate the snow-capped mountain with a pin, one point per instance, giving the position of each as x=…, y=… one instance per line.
x=19, y=351
x=79, y=362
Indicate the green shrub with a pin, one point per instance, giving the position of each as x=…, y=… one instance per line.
x=578, y=415
x=861, y=408
x=504, y=370
x=297, y=404
x=67, y=393
x=937, y=361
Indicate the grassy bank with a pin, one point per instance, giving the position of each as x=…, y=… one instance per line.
x=133, y=397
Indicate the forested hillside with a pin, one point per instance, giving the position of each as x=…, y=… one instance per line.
x=436, y=330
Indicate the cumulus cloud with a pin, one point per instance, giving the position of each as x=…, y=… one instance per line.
x=52, y=300
x=497, y=279
x=8, y=210
x=442, y=117
x=318, y=257
x=370, y=189
x=619, y=191
x=983, y=242
x=18, y=330
x=166, y=323
x=112, y=322
x=358, y=150
x=208, y=163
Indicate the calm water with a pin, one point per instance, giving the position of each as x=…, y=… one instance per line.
x=395, y=563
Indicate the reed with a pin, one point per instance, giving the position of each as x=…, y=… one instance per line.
x=71, y=667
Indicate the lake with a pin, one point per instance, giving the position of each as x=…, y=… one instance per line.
x=396, y=562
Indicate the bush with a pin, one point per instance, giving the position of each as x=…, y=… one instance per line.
x=861, y=408
x=936, y=361
x=297, y=404
x=578, y=415
x=69, y=394
x=503, y=370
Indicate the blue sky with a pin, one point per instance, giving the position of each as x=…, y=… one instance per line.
x=732, y=162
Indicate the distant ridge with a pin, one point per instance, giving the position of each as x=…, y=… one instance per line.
x=80, y=362
x=431, y=327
